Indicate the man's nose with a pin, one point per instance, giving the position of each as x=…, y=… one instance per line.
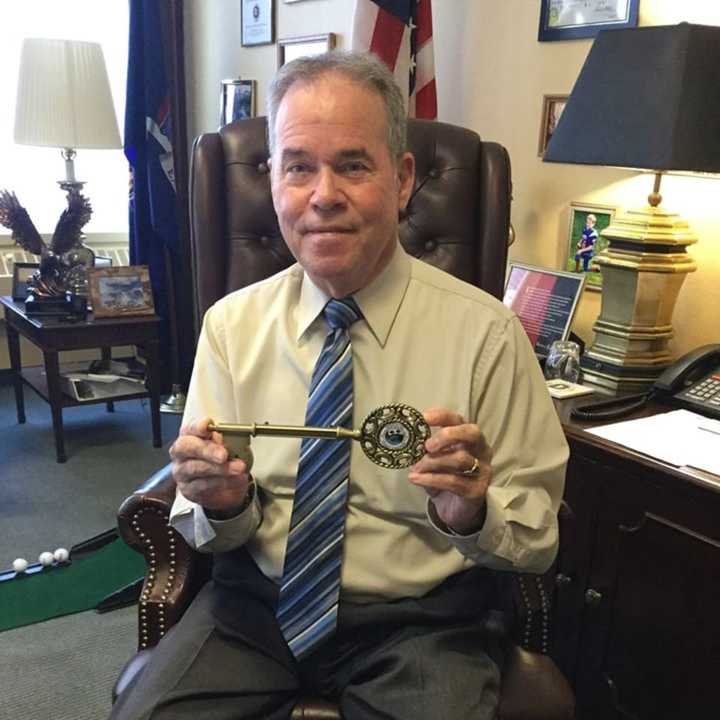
x=327, y=192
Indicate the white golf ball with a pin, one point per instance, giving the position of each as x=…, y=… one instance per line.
x=20, y=565
x=61, y=555
x=46, y=559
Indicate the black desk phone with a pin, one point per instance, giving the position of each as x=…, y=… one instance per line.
x=692, y=382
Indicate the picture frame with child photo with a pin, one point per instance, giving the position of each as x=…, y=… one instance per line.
x=585, y=240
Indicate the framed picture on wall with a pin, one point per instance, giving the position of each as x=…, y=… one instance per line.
x=570, y=19
x=585, y=240
x=552, y=108
x=291, y=48
x=237, y=100
x=256, y=21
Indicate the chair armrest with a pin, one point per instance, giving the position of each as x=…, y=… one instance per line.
x=533, y=687
x=174, y=572
x=528, y=598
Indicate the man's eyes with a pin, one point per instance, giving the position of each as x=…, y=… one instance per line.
x=354, y=167
x=297, y=168
x=350, y=168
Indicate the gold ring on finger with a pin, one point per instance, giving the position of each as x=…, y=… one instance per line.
x=472, y=471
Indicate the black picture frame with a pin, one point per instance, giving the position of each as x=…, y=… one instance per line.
x=257, y=22
x=589, y=17
x=22, y=272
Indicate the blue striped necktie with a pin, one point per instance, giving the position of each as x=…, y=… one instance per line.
x=310, y=586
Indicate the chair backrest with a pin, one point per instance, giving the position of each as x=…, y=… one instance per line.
x=458, y=217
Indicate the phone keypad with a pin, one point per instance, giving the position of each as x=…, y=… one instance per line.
x=706, y=392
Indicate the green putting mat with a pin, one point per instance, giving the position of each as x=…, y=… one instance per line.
x=97, y=568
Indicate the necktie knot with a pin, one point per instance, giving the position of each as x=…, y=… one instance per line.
x=341, y=313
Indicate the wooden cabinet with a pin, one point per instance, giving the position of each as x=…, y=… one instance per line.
x=638, y=587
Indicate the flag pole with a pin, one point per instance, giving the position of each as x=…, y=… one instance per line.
x=175, y=402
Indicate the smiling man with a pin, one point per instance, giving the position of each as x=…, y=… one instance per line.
x=331, y=575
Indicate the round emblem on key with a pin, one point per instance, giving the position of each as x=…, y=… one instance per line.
x=394, y=436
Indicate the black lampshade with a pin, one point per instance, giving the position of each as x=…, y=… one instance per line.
x=646, y=98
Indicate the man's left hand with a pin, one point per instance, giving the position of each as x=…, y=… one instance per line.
x=455, y=471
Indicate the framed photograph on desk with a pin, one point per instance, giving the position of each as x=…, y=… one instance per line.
x=22, y=272
x=571, y=19
x=121, y=291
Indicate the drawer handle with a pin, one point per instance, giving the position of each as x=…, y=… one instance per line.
x=592, y=597
x=562, y=580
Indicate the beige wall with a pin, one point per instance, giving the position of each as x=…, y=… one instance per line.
x=492, y=73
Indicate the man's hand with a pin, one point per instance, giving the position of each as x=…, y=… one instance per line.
x=454, y=450
x=205, y=474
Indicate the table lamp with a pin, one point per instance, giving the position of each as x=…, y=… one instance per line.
x=64, y=100
x=646, y=99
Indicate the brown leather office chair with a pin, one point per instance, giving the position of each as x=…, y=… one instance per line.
x=458, y=219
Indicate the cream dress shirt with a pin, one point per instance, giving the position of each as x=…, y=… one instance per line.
x=426, y=340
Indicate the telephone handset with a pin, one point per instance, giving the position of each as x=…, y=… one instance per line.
x=693, y=382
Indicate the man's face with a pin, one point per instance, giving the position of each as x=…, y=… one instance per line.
x=336, y=189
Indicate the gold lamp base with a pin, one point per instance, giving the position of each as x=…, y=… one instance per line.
x=643, y=269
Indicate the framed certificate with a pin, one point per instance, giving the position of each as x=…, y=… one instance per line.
x=256, y=22
x=290, y=49
x=570, y=19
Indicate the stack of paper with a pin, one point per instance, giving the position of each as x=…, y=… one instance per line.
x=679, y=437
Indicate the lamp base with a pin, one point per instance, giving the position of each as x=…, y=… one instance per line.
x=643, y=270
x=175, y=402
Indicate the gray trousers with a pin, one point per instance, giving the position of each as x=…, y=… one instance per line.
x=413, y=659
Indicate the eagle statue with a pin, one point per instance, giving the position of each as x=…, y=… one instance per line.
x=64, y=259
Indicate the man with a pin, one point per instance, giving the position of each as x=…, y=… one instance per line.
x=586, y=244
x=406, y=638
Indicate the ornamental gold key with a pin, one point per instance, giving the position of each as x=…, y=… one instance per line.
x=392, y=436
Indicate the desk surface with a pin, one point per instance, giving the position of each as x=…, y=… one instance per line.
x=575, y=432
x=59, y=322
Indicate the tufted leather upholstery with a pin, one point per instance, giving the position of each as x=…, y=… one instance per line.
x=458, y=219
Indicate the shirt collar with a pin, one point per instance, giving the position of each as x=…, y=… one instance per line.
x=379, y=301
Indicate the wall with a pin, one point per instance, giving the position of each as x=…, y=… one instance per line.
x=492, y=73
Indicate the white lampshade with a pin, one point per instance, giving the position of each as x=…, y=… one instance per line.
x=63, y=97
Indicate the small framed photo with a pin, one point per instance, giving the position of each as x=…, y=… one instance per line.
x=237, y=100
x=22, y=272
x=552, y=109
x=585, y=240
x=290, y=49
x=256, y=22
x=571, y=19
x=120, y=291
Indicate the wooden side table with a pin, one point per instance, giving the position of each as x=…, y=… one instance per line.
x=53, y=336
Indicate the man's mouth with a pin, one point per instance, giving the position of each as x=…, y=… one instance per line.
x=328, y=230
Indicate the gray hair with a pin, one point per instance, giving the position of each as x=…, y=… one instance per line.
x=363, y=68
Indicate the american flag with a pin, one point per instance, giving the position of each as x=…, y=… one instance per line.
x=400, y=33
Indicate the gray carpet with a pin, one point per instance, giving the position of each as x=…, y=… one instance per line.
x=65, y=668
